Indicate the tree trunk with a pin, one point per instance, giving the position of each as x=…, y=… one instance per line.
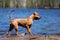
x=11, y=4
x=3, y=4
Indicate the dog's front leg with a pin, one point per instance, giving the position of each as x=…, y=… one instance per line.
x=28, y=29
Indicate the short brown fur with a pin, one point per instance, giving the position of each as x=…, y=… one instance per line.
x=24, y=22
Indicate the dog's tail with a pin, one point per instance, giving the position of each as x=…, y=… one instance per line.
x=10, y=14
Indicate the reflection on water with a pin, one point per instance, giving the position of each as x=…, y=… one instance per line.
x=49, y=23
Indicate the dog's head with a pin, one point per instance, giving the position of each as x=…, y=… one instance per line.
x=36, y=16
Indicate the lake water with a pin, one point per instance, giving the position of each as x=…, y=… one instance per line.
x=48, y=24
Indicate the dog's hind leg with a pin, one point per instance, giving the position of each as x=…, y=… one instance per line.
x=16, y=29
x=10, y=29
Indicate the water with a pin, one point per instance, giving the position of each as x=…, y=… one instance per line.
x=48, y=24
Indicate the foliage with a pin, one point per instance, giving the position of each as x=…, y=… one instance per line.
x=30, y=3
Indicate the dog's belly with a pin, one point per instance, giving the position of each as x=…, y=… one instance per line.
x=20, y=24
x=24, y=25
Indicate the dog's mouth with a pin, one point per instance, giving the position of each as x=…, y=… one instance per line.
x=37, y=18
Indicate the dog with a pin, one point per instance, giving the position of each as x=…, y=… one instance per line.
x=24, y=22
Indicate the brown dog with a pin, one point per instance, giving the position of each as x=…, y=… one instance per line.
x=25, y=22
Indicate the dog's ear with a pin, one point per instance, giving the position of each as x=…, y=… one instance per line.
x=34, y=13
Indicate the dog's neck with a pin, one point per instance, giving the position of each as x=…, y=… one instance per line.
x=31, y=17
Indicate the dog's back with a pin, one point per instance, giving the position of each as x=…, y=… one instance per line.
x=25, y=22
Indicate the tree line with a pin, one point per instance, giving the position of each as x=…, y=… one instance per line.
x=29, y=3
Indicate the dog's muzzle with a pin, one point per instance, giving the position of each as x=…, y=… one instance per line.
x=37, y=18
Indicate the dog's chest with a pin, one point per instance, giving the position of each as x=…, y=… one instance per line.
x=30, y=21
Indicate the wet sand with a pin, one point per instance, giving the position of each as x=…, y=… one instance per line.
x=35, y=37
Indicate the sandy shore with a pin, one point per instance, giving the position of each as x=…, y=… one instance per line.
x=35, y=37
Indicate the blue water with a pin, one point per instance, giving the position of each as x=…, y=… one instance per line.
x=48, y=24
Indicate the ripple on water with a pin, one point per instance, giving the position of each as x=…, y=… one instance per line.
x=49, y=22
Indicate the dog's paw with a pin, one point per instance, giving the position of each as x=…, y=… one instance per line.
x=22, y=34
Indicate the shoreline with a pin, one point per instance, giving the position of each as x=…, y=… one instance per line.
x=35, y=37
